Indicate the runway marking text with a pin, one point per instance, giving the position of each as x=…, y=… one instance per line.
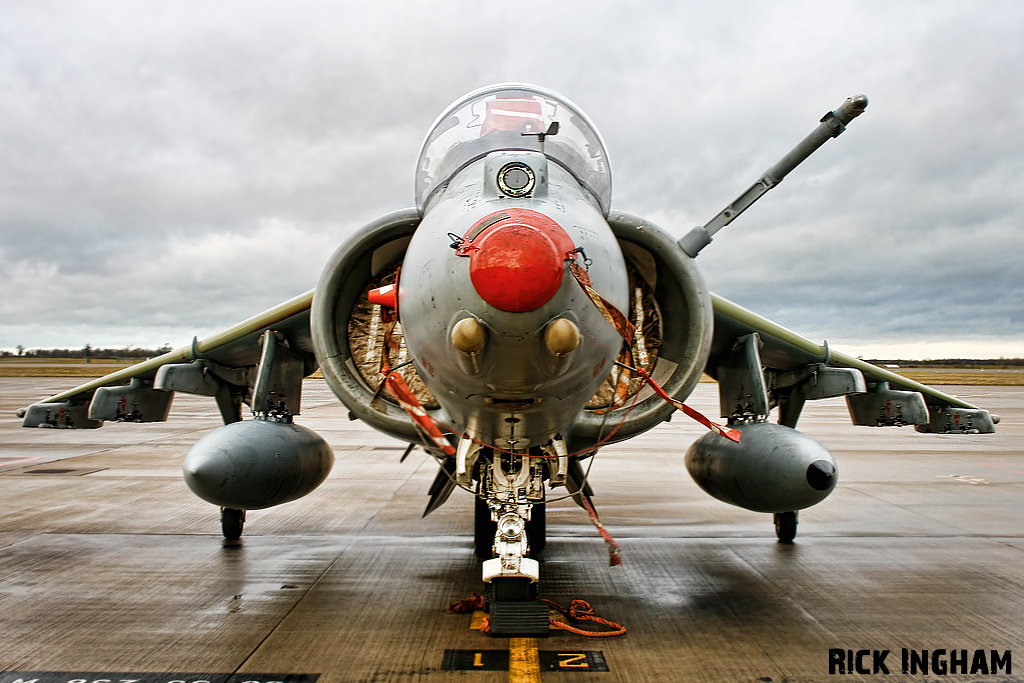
x=498, y=660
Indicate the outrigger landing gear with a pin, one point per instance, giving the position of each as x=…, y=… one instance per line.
x=231, y=523
x=785, y=526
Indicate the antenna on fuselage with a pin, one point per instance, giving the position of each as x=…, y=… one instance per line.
x=552, y=130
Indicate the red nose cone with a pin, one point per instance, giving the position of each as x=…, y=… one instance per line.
x=516, y=267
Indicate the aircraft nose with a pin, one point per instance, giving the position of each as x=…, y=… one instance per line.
x=516, y=267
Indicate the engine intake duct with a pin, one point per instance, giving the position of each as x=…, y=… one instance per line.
x=683, y=332
x=351, y=362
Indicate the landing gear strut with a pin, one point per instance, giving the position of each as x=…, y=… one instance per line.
x=785, y=526
x=231, y=523
x=509, y=532
x=484, y=529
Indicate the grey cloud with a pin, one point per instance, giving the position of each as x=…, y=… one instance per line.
x=178, y=167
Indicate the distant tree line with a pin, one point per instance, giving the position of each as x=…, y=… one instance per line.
x=128, y=352
x=87, y=352
x=954, y=362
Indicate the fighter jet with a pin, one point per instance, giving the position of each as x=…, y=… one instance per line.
x=511, y=324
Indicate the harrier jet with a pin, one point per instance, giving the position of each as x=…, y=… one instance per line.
x=511, y=324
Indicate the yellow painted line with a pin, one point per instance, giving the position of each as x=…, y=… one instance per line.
x=478, y=620
x=523, y=661
x=523, y=657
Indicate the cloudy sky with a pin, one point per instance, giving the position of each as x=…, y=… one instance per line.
x=168, y=169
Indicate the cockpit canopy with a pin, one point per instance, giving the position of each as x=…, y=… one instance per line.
x=509, y=116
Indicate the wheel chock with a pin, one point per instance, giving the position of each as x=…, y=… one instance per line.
x=519, y=619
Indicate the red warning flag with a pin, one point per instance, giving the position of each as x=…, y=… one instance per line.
x=410, y=404
x=613, y=315
x=731, y=434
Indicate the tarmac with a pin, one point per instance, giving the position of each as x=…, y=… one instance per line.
x=111, y=570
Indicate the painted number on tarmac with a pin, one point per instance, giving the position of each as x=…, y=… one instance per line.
x=497, y=660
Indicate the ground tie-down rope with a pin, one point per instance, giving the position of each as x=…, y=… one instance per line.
x=578, y=610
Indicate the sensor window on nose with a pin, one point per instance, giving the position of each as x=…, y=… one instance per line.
x=516, y=179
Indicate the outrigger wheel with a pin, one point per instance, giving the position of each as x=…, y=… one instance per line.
x=785, y=526
x=231, y=523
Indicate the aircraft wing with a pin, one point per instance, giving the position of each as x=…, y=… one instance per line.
x=796, y=369
x=226, y=366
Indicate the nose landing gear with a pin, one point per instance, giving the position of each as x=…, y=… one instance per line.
x=509, y=511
